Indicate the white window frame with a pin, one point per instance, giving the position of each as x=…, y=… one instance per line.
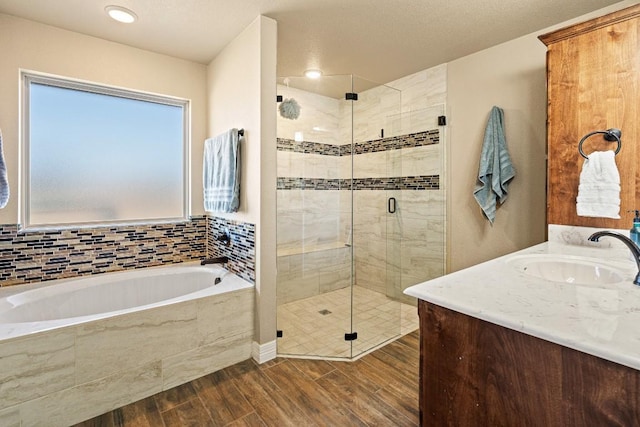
x=28, y=76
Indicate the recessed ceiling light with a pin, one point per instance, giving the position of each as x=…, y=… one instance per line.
x=121, y=14
x=313, y=74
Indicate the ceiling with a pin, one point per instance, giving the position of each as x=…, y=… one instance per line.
x=380, y=40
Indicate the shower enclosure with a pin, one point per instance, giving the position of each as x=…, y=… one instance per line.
x=360, y=214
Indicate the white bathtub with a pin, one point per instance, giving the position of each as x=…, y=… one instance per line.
x=73, y=349
x=66, y=302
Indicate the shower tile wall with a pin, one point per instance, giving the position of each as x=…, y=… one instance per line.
x=312, y=256
x=317, y=218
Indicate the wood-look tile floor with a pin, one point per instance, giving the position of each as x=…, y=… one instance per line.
x=379, y=389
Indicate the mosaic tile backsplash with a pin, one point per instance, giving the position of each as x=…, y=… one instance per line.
x=27, y=257
x=241, y=249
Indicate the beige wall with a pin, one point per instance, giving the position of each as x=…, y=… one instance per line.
x=512, y=76
x=37, y=47
x=242, y=94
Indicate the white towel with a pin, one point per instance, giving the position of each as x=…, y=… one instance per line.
x=599, y=188
x=4, y=181
x=221, y=172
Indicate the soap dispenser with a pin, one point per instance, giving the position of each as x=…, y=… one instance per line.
x=634, y=233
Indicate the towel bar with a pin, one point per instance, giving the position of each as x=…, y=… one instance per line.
x=612, y=134
x=240, y=132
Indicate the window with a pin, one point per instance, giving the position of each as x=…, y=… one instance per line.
x=96, y=155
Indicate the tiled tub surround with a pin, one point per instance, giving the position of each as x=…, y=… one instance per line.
x=35, y=256
x=70, y=373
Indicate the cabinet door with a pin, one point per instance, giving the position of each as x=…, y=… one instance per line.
x=593, y=85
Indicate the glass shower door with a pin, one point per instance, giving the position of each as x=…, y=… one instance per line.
x=314, y=251
x=376, y=178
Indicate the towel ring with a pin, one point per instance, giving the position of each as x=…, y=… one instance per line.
x=612, y=134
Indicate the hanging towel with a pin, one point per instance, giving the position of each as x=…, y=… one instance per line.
x=4, y=181
x=221, y=172
x=599, y=188
x=495, y=171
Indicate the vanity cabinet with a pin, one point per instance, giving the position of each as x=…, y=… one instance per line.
x=593, y=83
x=476, y=373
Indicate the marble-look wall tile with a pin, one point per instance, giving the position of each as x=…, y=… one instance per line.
x=294, y=287
x=35, y=366
x=76, y=404
x=308, y=217
x=195, y=363
x=334, y=277
x=307, y=165
x=305, y=275
x=319, y=117
x=226, y=316
x=422, y=204
x=372, y=165
x=422, y=89
x=104, y=347
x=371, y=276
x=418, y=161
x=10, y=417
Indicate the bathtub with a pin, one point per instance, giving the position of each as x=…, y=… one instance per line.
x=76, y=348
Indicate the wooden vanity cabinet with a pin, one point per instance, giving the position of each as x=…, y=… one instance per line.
x=593, y=84
x=476, y=373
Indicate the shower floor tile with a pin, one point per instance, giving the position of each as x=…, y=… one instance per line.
x=308, y=330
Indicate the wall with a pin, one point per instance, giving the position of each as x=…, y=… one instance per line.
x=242, y=93
x=34, y=256
x=33, y=46
x=512, y=76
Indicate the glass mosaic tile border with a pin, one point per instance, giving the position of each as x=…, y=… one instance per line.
x=423, y=182
x=36, y=256
x=418, y=139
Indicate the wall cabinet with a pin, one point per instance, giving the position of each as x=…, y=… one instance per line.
x=593, y=83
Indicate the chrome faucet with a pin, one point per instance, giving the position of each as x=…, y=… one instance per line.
x=627, y=241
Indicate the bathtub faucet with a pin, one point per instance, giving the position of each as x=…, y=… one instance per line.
x=218, y=260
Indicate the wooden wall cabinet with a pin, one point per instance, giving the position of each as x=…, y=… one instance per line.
x=476, y=373
x=593, y=83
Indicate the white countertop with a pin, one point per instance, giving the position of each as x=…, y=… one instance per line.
x=602, y=320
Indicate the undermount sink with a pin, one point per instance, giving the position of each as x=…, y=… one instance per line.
x=566, y=269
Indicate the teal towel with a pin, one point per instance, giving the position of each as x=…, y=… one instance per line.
x=4, y=182
x=495, y=171
x=221, y=172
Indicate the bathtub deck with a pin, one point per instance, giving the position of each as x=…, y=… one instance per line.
x=379, y=389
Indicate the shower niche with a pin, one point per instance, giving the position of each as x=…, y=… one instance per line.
x=360, y=214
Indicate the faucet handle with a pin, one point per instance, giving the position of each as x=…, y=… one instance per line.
x=225, y=238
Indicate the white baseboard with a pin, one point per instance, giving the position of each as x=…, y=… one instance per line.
x=263, y=352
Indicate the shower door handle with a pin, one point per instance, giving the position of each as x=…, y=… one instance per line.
x=391, y=205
